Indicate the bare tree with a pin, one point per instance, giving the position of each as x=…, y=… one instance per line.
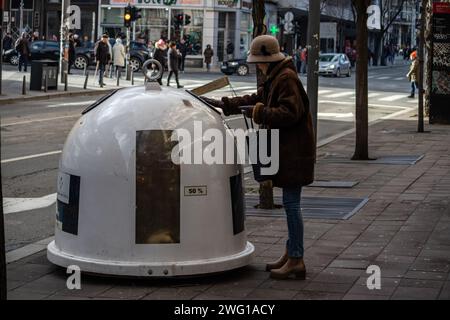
x=361, y=108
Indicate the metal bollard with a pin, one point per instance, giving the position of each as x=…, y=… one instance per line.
x=117, y=76
x=132, y=77
x=85, y=67
x=46, y=83
x=86, y=80
x=65, y=81
x=24, y=83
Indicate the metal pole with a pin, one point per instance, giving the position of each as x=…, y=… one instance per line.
x=3, y=286
x=1, y=45
x=420, y=125
x=20, y=17
x=127, y=61
x=93, y=27
x=134, y=30
x=313, y=58
x=64, y=46
x=24, y=83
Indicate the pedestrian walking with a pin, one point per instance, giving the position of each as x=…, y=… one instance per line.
x=109, y=64
x=298, y=60
x=173, y=57
x=103, y=56
x=23, y=49
x=182, y=47
x=7, y=41
x=160, y=56
x=304, y=59
x=118, y=57
x=71, y=52
x=413, y=74
x=281, y=103
x=208, y=54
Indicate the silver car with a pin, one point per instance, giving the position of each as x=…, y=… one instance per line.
x=334, y=64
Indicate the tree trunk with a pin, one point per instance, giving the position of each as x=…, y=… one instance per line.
x=362, y=120
x=258, y=14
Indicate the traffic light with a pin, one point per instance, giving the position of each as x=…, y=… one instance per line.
x=135, y=13
x=127, y=16
x=187, y=19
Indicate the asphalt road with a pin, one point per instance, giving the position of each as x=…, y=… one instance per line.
x=33, y=134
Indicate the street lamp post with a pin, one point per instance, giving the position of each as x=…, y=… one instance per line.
x=313, y=58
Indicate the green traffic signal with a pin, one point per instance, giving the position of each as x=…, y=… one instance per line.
x=274, y=29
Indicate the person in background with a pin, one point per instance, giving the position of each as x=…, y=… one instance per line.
x=118, y=56
x=103, y=56
x=208, y=54
x=413, y=74
x=182, y=47
x=7, y=41
x=109, y=64
x=304, y=59
x=297, y=59
x=230, y=50
x=71, y=52
x=173, y=57
x=282, y=104
x=160, y=56
x=23, y=49
x=76, y=39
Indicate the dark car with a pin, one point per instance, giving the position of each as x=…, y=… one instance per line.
x=39, y=50
x=139, y=53
x=238, y=66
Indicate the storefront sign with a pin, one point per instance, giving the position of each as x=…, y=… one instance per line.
x=227, y=3
x=440, y=56
x=374, y=18
x=144, y=2
x=74, y=20
x=247, y=5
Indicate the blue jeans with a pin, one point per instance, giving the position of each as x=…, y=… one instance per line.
x=23, y=60
x=413, y=87
x=291, y=203
x=101, y=71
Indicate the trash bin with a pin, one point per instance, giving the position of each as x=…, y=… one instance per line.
x=125, y=208
x=40, y=69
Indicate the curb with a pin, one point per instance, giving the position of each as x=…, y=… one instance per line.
x=56, y=95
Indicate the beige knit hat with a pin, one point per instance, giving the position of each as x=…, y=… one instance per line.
x=265, y=49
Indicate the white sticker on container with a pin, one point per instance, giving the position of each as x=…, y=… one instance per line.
x=63, y=187
x=195, y=191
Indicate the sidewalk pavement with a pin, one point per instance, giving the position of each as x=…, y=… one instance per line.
x=404, y=229
x=12, y=87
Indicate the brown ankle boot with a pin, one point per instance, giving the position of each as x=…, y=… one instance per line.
x=279, y=263
x=294, y=266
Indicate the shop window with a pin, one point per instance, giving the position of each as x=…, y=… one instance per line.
x=188, y=25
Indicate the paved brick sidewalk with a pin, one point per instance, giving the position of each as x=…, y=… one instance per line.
x=404, y=229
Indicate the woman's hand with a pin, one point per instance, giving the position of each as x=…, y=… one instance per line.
x=213, y=102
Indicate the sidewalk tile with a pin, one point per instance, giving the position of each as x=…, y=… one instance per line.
x=328, y=287
x=272, y=294
x=318, y=295
x=412, y=293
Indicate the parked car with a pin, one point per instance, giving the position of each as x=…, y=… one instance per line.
x=39, y=50
x=139, y=53
x=238, y=66
x=334, y=64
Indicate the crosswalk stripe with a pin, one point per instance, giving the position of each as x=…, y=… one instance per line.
x=324, y=91
x=383, y=78
x=393, y=97
x=399, y=79
x=373, y=94
x=340, y=94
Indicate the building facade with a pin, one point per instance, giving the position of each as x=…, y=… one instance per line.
x=226, y=25
x=44, y=17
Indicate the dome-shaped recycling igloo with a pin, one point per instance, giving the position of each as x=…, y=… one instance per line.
x=126, y=208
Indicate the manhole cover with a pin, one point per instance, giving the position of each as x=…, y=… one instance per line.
x=332, y=184
x=400, y=160
x=312, y=207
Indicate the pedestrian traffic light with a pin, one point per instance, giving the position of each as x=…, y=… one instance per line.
x=187, y=19
x=127, y=16
x=135, y=13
